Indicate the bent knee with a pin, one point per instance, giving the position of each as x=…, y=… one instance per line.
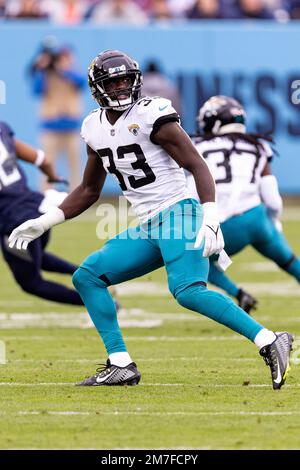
x=80, y=277
x=186, y=293
x=83, y=277
x=30, y=285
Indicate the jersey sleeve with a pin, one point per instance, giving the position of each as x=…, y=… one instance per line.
x=86, y=128
x=158, y=111
x=267, y=151
x=6, y=129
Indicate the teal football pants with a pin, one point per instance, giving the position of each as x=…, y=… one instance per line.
x=166, y=240
x=254, y=228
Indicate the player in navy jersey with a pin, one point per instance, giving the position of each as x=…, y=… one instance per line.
x=18, y=203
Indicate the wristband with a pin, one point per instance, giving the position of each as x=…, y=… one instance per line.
x=40, y=157
x=53, y=217
x=270, y=194
x=210, y=211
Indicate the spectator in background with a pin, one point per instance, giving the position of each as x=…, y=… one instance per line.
x=155, y=83
x=160, y=10
x=30, y=9
x=252, y=9
x=179, y=7
x=58, y=84
x=294, y=9
x=119, y=11
x=2, y=8
x=204, y=9
x=65, y=11
x=90, y=7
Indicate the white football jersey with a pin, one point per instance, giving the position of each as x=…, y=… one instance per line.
x=236, y=171
x=149, y=178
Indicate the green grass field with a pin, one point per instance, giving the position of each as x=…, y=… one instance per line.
x=202, y=387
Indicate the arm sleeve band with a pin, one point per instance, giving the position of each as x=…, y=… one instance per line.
x=270, y=194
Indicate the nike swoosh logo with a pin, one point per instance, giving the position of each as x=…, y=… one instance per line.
x=278, y=379
x=102, y=379
x=215, y=232
x=162, y=108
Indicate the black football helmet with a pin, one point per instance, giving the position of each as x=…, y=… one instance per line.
x=218, y=112
x=112, y=64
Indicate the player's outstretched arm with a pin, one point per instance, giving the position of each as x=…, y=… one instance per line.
x=174, y=140
x=88, y=192
x=37, y=157
x=84, y=196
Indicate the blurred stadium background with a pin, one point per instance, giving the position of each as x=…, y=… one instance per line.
x=254, y=60
x=244, y=48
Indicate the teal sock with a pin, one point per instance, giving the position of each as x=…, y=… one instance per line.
x=220, y=308
x=219, y=279
x=101, y=308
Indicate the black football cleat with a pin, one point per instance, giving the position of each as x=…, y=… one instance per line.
x=110, y=374
x=246, y=301
x=277, y=355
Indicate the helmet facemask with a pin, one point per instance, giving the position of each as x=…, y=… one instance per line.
x=110, y=99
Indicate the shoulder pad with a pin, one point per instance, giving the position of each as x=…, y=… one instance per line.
x=267, y=150
x=86, y=124
x=154, y=108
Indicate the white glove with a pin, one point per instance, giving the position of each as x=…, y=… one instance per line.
x=34, y=228
x=52, y=199
x=210, y=231
x=25, y=233
x=274, y=216
x=278, y=225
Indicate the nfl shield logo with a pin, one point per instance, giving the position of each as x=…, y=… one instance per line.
x=112, y=132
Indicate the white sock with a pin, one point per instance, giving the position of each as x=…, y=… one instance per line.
x=264, y=337
x=121, y=359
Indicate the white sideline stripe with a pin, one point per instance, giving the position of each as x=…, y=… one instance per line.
x=262, y=266
x=156, y=413
x=185, y=338
x=72, y=384
x=138, y=338
x=277, y=288
x=150, y=359
x=132, y=338
x=131, y=318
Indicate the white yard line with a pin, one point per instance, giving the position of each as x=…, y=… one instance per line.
x=130, y=338
x=261, y=266
x=149, y=359
x=131, y=318
x=72, y=384
x=154, y=413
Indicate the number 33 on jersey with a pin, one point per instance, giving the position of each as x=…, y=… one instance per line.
x=144, y=171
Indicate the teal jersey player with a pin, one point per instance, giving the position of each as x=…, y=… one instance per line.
x=141, y=143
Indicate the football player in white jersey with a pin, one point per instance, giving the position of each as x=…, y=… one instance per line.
x=248, y=198
x=140, y=141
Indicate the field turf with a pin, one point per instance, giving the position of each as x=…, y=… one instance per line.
x=202, y=387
